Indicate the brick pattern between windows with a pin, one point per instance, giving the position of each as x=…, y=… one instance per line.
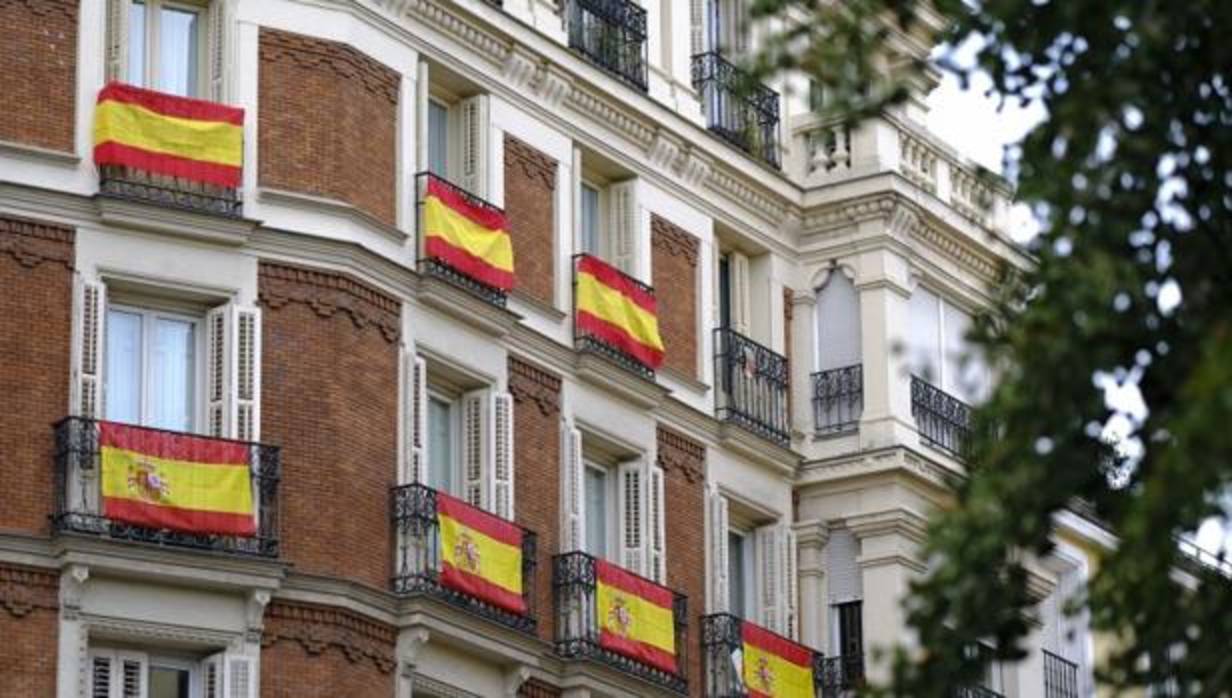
x=536, y=452
x=29, y=618
x=684, y=464
x=36, y=298
x=309, y=650
x=674, y=260
x=328, y=122
x=329, y=399
x=38, y=72
x=530, y=207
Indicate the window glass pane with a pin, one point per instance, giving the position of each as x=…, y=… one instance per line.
x=724, y=291
x=735, y=573
x=440, y=445
x=923, y=339
x=590, y=220
x=123, y=353
x=168, y=682
x=136, y=44
x=171, y=374
x=596, y=511
x=838, y=323
x=438, y=139
x=177, y=51
x=964, y=372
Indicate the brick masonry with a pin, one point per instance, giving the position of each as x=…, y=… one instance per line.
x=674, y=260
x=536, y=449
x=38, y=72
x=330, y=367
x=36, y=298
x=29, y=622
x=530, y=206
x=684, y=467
x=310, y=650
x=328, y=122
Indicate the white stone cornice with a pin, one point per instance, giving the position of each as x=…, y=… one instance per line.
x=602, y=110
x=552, y=85
x=739, y=190
x=664, y=150
x=694, y=167
x=520, y=67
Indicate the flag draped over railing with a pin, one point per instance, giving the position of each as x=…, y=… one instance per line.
x=481, y=554
x=169, y=135
x=614, y=308
x=775, y=667
x=636, y=616
x=470, y=237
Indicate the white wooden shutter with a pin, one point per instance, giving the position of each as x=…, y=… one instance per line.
x=475, y=430
x=90, y=312
x=769, y=546
x=239, y=679
x=118, y=674
x=217, y=370
x=416, y=415
x=697, y=26
x=502, y=456
x=791, y=585
x=572, y=490
x=233, y=372
x=117, y=39
x=630, y=507
x=843, y=567
x=623, y=226
x=741, y=305
x=473, y=144
x=246, y=395
x=102, y=669
x=656, y=534
x=212, y=676
x=720, y=589
x=217, y=43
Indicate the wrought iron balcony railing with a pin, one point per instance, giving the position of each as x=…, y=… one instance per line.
x=1060, y=677
x=586, y=341
x=738, y=109
x=838, y=399
x=752, y=385
x=612, y=34
x=79, y=506
x=441, y=268
x=943, y=420
x=131, y=184
x=417, y=559
x=842, y=674
x=722, y=659
x=574, y=585
x=974, y=692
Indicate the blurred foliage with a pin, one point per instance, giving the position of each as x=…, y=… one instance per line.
x=1130, y=177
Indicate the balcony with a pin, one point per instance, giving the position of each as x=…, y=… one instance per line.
x=612, y=35
x=723, y=655
x=842, y=675
x=420, y=567
x=579, y=628
x=944, y=421
x=738, y=109
x=752, y=385
x=80, y=506
x=838, y=400
x=602, y=331
x=1060, y=677
x=450, y=263
x=974, y=692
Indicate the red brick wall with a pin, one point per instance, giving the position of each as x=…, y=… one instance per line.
x=674, y=260
x=536, y=452
x=36, y=298
x=310, y=651
x=328, y=122
x=530, y=204
x=330, y=399
x=29, y=622
x=684, y=465
x=38, y=71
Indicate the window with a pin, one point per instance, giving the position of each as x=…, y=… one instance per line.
x=128, y=673
x=740, y=563
x=607, y=218
x=600, y=495
x=937, y=348
x=438, y=139
x=443, y=431
x=590, y=219
x=727, y=29
x=848, y=636
x=984, y=653
x=151, y=369
x=457, y=135
x=725, y=291
x=166, y=44
x=838, y=323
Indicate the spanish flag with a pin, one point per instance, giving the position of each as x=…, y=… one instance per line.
x=614, y=308
x=466, y=236
x=481, y=554
x=179, y=482
x=635, y=617
x=168, y=135
x=775, y=667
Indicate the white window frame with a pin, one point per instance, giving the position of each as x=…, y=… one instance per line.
x=748, y=574
x=942, y=378
x=196, y=686
x=456, y=471
x=148, y=314
x=611, y=521
x=450, y=136
x=153, y=18
x=602, y=246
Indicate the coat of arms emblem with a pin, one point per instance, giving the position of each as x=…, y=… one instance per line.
x=466, y=553
x=145, y=481
x=619, y=616
x=765, y=675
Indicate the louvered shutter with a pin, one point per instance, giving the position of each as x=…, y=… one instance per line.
x=697, y=26
x=623, y=226
x=720, y=589
x=474, y=441
x=217, y=40
x=741, y=307
x=843, y=568
x=102, y=670
x=118, y=674
x=472, y=144
x=90, y=300
x=233, y=372
x=217, y=370
x=572, y=491
x=791, y=585
x=630, y=507
x=416, y=432
x=502, y=456
x=246, y=396
x=656, y=548
x=117, y=39
x=239, y=679
x=212, y=676
x=768, y=540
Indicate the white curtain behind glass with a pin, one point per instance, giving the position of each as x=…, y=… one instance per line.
x=171, y=374
x=123, y=353
x=440, y=446
x=438, y=140
x=924, y=335
x=596, y=511
x=838, y=323
x=136, y=44
x=178, y=51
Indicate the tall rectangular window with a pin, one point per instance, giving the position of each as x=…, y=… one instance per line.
x=442, y=440
x=438, y=139
x=598, y=509
x=590, y=218
x=165, y=44
x=740, y=570
x=725, y=291
x=151, y=368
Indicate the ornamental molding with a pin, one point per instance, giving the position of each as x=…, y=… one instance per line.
x=519, y=67
x=673, y=240
x=345, y=62
x=665, y=150
x=463, y=31
x=26, y=589
x=142, y=631
x=529, y=384
x=552, y=85
x=598, y=107
x=694, y=168
x=327, y=293
x=318, y=629
x=742, y=192
x=31, y=243
x=680, y=454
x=536, y=166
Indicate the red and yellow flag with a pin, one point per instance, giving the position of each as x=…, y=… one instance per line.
x=169, y=135
x=176, y=481
x=615, y=309
x=635, y=616
x=481, y=554
x=775, y=667
x=470, y=238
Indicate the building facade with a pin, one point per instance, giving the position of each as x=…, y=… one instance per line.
x=770, y=478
